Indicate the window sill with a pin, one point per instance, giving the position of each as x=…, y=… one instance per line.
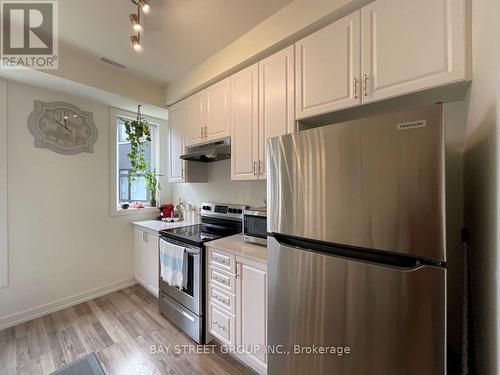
x=135, y=211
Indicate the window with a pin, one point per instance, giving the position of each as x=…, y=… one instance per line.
x=132, y=190
x=125, y=189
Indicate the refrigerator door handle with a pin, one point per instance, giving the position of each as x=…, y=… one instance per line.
x=383, y=258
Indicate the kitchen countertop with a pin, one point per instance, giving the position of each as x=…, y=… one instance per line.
x=157, y=225
x=236, y=246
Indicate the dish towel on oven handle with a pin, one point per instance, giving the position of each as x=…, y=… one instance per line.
x=172, y=264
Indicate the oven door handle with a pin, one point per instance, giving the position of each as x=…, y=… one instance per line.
x=188, y=248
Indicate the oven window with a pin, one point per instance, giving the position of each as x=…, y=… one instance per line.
x=189, y=289
x=256, y=226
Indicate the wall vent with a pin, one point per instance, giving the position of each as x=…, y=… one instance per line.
x=113, y=63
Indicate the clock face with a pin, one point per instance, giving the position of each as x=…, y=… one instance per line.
x=62, y=128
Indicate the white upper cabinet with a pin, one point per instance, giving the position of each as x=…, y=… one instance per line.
x=276, y=100
x=328, y=65
x=412, y=45
x=177, y=121
x=244, y=124
x=195, y=115
x=218, y=114
x=208, y=114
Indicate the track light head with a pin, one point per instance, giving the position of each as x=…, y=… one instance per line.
x=144, y=5
x=136, y=43
x=136, y=23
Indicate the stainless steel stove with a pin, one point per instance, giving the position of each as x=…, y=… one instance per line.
x=186, y=307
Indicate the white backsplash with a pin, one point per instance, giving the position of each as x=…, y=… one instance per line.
x=221, y=189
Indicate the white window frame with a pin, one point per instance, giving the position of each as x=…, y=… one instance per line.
x=155, y=151
x=4, y=232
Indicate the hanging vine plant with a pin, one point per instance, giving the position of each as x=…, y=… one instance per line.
x=139, y=134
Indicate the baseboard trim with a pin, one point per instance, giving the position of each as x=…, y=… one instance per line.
x=48, y=308
x=153, y=291
x=240, y=357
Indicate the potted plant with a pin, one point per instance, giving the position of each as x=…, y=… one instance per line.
x=153, y=185
x=139, y=134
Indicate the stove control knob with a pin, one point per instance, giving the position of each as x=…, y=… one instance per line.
x=240, y=211
x=231, y=211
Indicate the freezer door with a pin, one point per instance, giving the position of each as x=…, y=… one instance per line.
x=391, y=319
x=374, y=183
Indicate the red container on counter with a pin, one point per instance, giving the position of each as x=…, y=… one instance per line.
x=167, y=210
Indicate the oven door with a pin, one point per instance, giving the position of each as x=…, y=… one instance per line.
x=190, y=296
x=255, y=228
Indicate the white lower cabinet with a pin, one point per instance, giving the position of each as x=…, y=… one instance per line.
x=251, y=309
x=146, y=260
x=237, y=306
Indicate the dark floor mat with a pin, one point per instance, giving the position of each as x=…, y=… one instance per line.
x=88, y=365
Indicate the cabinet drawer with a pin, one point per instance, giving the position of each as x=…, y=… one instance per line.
x=222, y=260
x=222, y=299
x=222, y=279
x=221, y=325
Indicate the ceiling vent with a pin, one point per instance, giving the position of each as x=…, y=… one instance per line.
x=113, y=63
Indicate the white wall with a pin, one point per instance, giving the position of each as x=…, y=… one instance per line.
x=481, y=185
x=3, y=185
x=63, y=244
x=220, y=188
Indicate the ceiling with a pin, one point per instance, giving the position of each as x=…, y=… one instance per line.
x=179, y=34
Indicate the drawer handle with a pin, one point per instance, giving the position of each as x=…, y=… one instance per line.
x=223, y=261
x=220, y=280
x=217, y=324
x=223, y=300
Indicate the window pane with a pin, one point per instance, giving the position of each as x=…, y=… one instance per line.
x=123, y=160
x=128, y=190
x=122, y=135
x=138, y=191
x=124, y=193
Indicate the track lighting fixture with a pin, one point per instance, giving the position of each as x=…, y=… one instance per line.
x=144, y=5
x=136, y=42
x=135, y=19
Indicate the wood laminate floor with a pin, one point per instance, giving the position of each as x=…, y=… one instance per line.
x=120, y=329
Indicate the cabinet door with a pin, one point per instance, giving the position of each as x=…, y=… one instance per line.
x=252, y=314
x=152, y=261
x=276, y=100
x=412, y=45
x=146, y=260
x=218, y=115
x=139, y=257
x=328, y=68
x=195, y=119
x=244, y=124
x=177, y=120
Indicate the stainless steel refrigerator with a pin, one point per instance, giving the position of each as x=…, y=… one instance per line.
x=357, y=253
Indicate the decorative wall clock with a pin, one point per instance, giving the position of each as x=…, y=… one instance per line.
x=62, y=128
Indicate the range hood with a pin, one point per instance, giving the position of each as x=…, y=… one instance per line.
x=209, y=152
